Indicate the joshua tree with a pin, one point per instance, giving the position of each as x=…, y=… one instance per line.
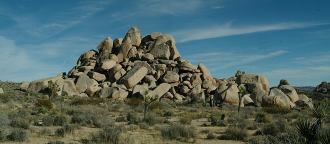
x=148, y=99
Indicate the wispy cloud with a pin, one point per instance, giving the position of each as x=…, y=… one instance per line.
x=16, y=64
x=171, y=7
x=32, y=24
x=300, y=76
x=223, y=60
x=207, y=32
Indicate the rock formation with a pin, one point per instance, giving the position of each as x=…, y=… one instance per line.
x=135, y=67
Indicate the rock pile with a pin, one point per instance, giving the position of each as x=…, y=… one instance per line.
x=324, y=88
x=134, y=67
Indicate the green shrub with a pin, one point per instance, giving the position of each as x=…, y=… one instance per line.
x=60, y=132
x=276, y=110
x=46, y=103
x=55, y=142
x=185, y=120
x=179, y=131
x=325, y=136
x=109, y=135
x=20, y=123
x=60, y=120
x=86, y=101
x=168, y=113
x=151, y=119
x=2, y=135
x=263, y=118
x=234, y=133
x=48, y=120
x=273, y=128
x=121, y=119
x=17, y=135
x=85, y=119
x=133, y=118
x=217, y=120
x=211, y=136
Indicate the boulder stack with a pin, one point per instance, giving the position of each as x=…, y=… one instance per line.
x=134, y=66
x=324, y=88
x=152, y=66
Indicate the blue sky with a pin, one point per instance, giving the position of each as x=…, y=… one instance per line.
x=287, y=39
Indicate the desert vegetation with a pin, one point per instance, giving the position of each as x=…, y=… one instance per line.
x=27, y=118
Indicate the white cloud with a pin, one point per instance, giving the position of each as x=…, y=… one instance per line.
x=17, y=65
x=223, y=60
x=207, y=32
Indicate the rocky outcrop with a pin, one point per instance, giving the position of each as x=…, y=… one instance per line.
x=137, y=66
x=324, y=88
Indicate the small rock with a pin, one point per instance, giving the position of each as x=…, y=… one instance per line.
x=108, y=64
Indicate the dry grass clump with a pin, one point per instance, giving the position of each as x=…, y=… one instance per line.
x=108, y=135
x=263, y=118
x=179, y=132
x=234, y=133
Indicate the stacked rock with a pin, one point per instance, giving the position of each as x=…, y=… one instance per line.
x=136, y=66
x=152, y=66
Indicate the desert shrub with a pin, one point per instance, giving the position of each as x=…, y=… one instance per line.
x=121, y=119
x=86, y=101
x=288, y=138
x=217, y=120
x=17, y=135
x=143, y=125
x=4, y=120
x=60, y=120
x=133, y=118
x=168, y=113
x=85, y=119
x=109, y=135
x=211, y=136
x=179, y=131
x=151, y=119
x=69, y=128
x=185, y=120
x=324, y=136
x=46, y=103
x=234, y=133
x=263, y=118
x=60, y=132
x=20, y=123
x=48, y=120
x=55, y=142
x=276, y=110
x=2, y=135
x=273, y=129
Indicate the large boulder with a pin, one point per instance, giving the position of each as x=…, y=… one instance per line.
x=290, y=92
x=105, y=92
x=171, y=77
x=83, y=82
x=160, y=90
x=253, y=79
x=227, y=93
x=304, y=101
x=1, y=91
x=119, y=94
x=69, y=88
x=134, y=36
x=24, y=86
x=134, y=76
x=124, y=48
x=277, y=98
x=246, y=100
x=41, y=86
x=108, y=64
x=161, y=51
x=97, y=76
x=324, y=88
x=105, y=49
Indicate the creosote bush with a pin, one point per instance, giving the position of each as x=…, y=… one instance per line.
x=20, y=123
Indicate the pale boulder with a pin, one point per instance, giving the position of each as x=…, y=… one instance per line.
x=134, y=35
x=160, y=90
x=108, y=64
x=97, y=76
x=290, y=92
x=134, y=76
x=83, y=82
x=171, y=77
